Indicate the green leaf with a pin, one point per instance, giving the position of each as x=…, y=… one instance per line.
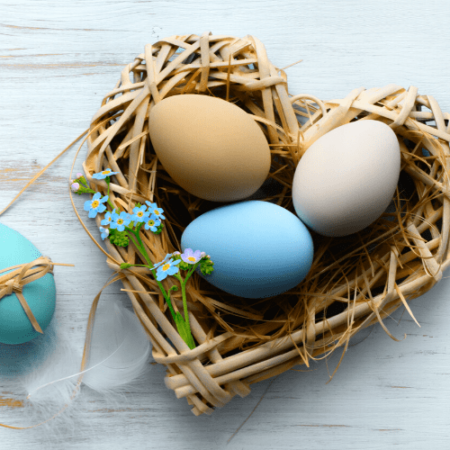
x=85, y=190
x=184, y=330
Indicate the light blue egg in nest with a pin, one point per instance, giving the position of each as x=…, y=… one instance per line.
x=40, y=294
x=259, y=249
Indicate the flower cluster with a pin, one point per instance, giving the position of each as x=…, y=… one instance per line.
x=121, y=228
x=117, y=224
x=188, y=260
x=148, y=215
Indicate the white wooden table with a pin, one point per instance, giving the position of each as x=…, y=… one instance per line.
x=58, y=59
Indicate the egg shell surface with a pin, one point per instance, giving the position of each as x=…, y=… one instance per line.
x=347, y=178
x=212, y=148
x=259, y=249
x=15, y=327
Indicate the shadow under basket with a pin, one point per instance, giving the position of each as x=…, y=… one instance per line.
x=355, y=281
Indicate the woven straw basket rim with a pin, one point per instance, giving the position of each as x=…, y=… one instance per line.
x=353, y=283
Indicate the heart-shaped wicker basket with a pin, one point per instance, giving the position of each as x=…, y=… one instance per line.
x=354, y=281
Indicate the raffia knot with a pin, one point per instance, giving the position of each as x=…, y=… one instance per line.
x=17, y=287
x=10, y=287
x=19, y=276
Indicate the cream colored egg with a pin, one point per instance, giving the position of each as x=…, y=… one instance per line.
x=347, y=178
x=210, y=147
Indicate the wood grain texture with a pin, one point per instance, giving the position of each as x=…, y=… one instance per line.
x=58, y=60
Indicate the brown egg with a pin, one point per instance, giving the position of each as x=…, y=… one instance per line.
x=210, y=147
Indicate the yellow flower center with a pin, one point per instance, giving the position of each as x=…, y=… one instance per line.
x=119, y=221
x=109, y=219
x=151, y=222
x=191, y=258
x=166, y=267
x=95, y=203
x=105, y=172
x=156, y=212
x=140, y=214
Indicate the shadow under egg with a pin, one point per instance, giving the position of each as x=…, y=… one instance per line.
x=21, y=359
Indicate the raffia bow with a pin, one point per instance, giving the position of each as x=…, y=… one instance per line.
x=22, y=274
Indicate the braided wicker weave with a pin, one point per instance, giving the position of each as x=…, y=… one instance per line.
x=354, y=282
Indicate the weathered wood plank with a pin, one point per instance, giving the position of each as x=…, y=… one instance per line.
x=58, y=60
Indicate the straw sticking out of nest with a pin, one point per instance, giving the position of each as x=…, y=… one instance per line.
x=354, y=282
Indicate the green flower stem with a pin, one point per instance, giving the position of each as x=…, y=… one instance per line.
x=183, y=293
x=139, y=265
x=191, y=271
x=183, y=325
x=134, y=236
x=165, y=295
x=185, y=307
x=111, y=204
x=108, y=181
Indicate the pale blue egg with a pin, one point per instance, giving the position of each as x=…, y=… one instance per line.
x=15, y=327
x=259, y=249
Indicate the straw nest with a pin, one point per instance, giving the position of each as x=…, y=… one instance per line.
x=354, y=282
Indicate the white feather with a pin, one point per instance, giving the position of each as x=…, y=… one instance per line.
x=44, y=373
x=25, y=368
x=120, y=349
x=40, y=385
